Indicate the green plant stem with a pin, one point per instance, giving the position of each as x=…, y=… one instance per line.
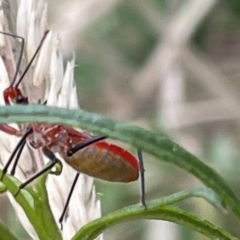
x=6, y=234
x=36, y=208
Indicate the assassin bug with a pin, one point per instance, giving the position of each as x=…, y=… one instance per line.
x=85, y=153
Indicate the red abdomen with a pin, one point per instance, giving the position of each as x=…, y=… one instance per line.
x=105, y=161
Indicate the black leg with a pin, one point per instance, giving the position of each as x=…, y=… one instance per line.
x=16, y=150
x=17, y=159
x=84, y=144
x=48, y=153
x=68, y=199
x=142, y=179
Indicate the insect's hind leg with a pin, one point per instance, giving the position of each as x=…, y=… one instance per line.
x=68, y=199
x=142, y=179
x=84, y=144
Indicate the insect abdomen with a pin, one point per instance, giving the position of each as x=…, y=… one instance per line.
x=105, y=161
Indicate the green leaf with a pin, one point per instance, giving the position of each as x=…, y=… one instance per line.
x=200, y=192
x=154, y=208
x=42, y=208
x=158, y=212
x=158, y=145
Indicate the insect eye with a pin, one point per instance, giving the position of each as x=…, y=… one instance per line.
x=21, y=100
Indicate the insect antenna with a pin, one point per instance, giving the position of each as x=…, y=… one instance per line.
x=20, y=55
x=19, y=148
x=32, y=59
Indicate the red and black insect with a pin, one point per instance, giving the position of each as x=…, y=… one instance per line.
x=85, y=153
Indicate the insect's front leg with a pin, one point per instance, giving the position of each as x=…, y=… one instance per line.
x=17, y=151
x=10, y=130
x=53, y=160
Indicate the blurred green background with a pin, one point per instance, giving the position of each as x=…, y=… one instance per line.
x=171, y=65
x=163, y=65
